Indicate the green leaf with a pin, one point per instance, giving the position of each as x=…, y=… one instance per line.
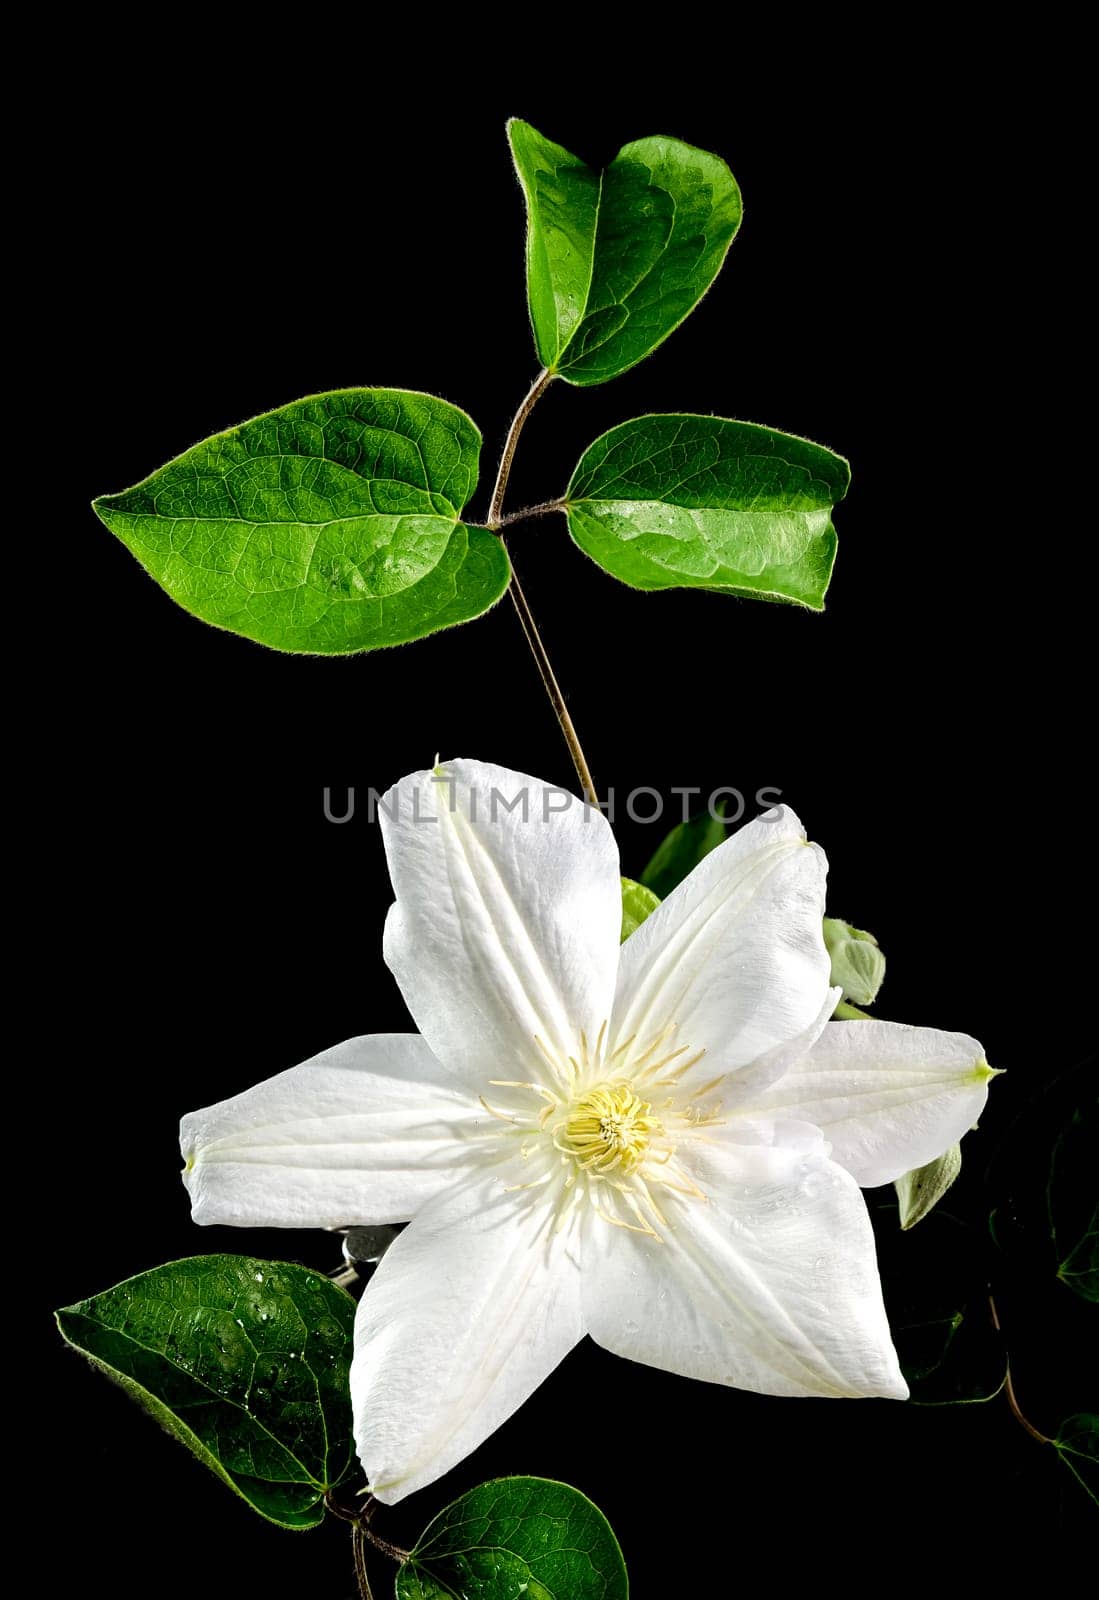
x=616, y=260
x=245, y=1361
x=680, y=851
x=328, y=526
x=921, y=1189
x=1073, y=1212
x=516, y=1536
x=935, y=1282
x=703, y=503
x=637, y=903
x=1077, y=1444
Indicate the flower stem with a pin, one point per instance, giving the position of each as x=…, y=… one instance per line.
x=1009, y=1388
x=496, y=521
x=553, y=690
x=361, y=1533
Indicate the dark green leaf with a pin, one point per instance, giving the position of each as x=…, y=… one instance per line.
x=935, y=1281
x=1077, y=1444
x=245, y=1361
x=616, y=260
x=513, y=1537
x=328, y=526
x=680, y=851
x=1073, y=1210
x=637, y=903
x=703, y=503
x=1042, y=1175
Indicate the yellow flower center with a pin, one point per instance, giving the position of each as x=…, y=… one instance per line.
x=609, y=1127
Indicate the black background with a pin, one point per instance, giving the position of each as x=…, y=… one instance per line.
x=891, y=294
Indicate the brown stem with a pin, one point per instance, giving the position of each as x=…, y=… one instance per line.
x=527, y=512
x=553, y=689
x=497, y=520
x=360, y=1521
x=534, y=393
x=1009, y=1387
x=393, y=1551
x=358, y=1547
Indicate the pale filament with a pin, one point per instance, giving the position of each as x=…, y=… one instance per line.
x=609, y=1126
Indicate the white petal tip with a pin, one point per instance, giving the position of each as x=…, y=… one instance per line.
x=389, y=1493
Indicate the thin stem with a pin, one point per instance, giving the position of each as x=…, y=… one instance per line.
x=358, y=1547
x=393, y=1551
x=1009, y=1387
x=534, y=393
x=496, y=521
x=849, y=1013
x=527, y=512
x=553, y=689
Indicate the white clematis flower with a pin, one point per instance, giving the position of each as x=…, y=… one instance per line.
x=659, y=1144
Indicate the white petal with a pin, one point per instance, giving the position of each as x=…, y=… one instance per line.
x=768, y=1284
x=735, y=956
x=506, y=923
x=470, y=1309
x=887, y=1097
x=362, y=1133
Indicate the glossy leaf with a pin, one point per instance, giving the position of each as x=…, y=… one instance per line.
x=935, y=1281
x=329, y=526
x=703, y=503
x=245, y=1361
x=1073, y=1208
x=617, y=259
x=1077, y=1444
x=1042, y=1177
x=637, y=903
x=680, y=851
x=516, y=1536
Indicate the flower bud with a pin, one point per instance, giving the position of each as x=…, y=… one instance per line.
x=858, y=966
x=924, y=1187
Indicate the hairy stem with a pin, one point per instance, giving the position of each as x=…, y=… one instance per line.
x=1009, y=1388
x=496, y=521
x=527, y=512
x=393, y=1551
x=358, y=1547
x=553, y=690
x=533, y=395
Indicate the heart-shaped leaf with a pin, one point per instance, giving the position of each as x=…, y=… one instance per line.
x=1077, y=1444
x=245, y=1361
x=704, y=503
x=516, y=1536
x=617, y=259
x=328, y=527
